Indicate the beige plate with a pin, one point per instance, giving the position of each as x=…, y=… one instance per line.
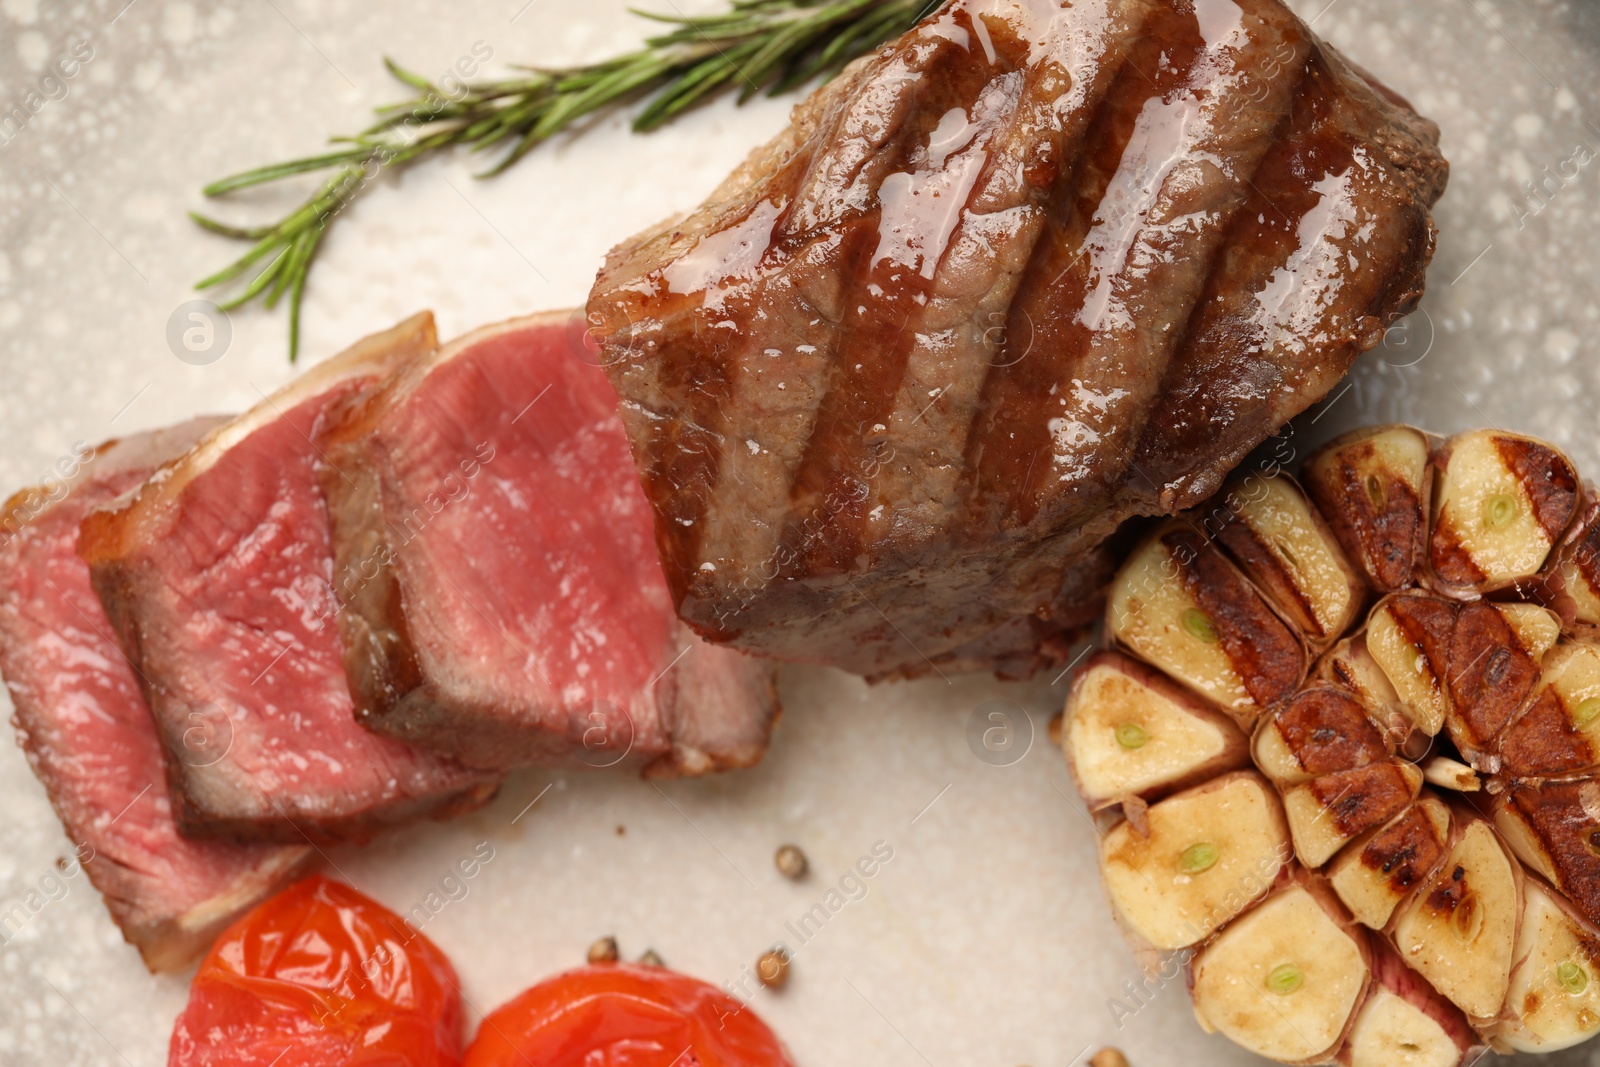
x=986, y=940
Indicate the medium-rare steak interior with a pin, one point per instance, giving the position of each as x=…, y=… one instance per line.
x=1026, y=272
x=505, y=603
x=217, y=575
x=83, y=723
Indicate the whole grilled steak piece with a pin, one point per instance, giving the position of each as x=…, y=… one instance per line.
x=1026, y=272
x=506, y=604
x=217, y=574
x=86, y=729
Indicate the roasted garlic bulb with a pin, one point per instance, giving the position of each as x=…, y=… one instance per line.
x=1345, y=748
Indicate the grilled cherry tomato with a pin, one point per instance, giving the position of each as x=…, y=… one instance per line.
x=623, y=1015
x=318, y=976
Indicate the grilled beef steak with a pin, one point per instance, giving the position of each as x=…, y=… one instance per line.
x=506, y=604
x=1024, y=273
x=86, y=729
x=217, y=576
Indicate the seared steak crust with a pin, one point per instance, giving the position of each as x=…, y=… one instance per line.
x=1026, y=272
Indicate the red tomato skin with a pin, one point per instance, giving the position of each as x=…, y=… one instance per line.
x=318, y=976
x=624, y=1015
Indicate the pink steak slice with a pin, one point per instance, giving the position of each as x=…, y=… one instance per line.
x=506, y=603
x=217, y=574
x=87, y=732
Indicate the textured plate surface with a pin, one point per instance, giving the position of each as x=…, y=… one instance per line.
x=985, y=940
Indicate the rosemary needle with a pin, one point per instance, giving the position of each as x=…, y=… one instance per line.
x=756, y=45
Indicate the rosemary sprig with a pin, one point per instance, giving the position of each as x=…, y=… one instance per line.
x=772, y=45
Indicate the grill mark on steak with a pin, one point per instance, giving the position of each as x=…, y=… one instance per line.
x=86, y=729
x=730, y=464
x=959, y=343
x=1284, y=287
x=689, y=453
x=819, y=482
x=893, y=251
x=1180, y=148
x=939, y=392
x=1011, y=436
x=912, y=546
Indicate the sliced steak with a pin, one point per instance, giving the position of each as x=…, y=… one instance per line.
x=87, y=732
x=1025, y=273
x=216, y=574
x=495, y=551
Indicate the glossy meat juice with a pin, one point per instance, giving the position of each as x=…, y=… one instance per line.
x=1025, y=272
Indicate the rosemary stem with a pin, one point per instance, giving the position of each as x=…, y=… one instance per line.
x=756, y=45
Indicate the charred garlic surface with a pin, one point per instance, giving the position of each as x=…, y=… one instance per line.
x=1345, y=746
